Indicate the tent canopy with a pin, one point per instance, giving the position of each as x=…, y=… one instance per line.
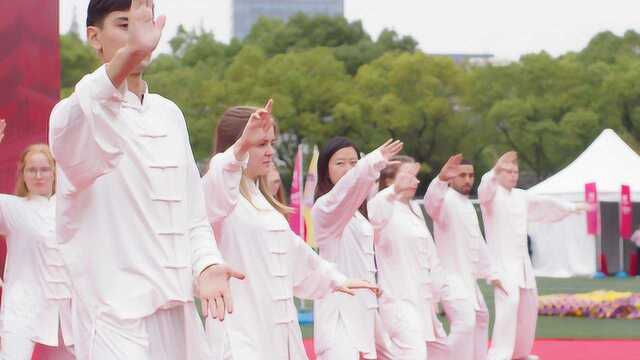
x=608, y=161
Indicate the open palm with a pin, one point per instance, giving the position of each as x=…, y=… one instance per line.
x=258, y=127
x=452, y=168
x=144, y=32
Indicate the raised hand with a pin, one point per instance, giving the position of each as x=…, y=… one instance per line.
x=144, y=32
x=256, y=130
x=508, y=158
x=213, y=290
x=390, y=148
x=354, y=284
x=406, y=179
x=451, y=168
x=3, y=125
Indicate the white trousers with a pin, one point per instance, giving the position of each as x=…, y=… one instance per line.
x=514, y=330
x=469, y=329
x=168, y=334
x=343, y=348
x=16, y=347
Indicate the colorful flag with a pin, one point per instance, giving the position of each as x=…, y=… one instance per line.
x=591, y=198
x=308, y=198
x=626, y=213
x=296, y=221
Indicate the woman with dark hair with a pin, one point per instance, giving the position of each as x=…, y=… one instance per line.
x=36, y=289
x=254, y=235
x=409, y=272
x=345, y=327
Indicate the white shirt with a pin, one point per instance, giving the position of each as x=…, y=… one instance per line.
x=409, y=270
x=256, y=240
x=506, y=215
x=345, y=237
x=131, y=219
x=463, y=253
x=36, y=286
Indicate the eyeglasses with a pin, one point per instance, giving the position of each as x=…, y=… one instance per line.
x=34, y=171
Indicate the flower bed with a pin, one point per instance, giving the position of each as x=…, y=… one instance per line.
x=600, y=304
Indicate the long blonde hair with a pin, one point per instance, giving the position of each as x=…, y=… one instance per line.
x=228, y=131
x=21, y=186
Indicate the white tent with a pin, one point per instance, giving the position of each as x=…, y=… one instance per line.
x=564, y=249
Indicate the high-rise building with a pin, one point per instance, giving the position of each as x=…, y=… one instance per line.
x=247, y=12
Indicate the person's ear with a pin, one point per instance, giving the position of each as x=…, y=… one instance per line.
x=93, y=38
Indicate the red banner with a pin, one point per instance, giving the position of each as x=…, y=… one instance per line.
x=29, y=79
x=591, y=198
x=626, y=213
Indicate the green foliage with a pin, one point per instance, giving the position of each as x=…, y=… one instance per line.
x=329, y=77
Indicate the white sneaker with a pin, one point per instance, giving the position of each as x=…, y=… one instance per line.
x=533, y=357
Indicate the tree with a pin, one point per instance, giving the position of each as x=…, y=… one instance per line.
x=77, y=59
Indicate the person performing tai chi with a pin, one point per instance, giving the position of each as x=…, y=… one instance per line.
x=254, y=235
x=131, y=218
x=36, y=289
x=409, y=271
x=464, y=256
x=506, y=211
x=346, y=327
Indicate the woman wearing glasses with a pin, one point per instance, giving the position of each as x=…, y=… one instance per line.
x=36, y=287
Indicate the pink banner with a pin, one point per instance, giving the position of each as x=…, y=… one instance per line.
x=296, y=220
x=591, y=198
x=626, y=213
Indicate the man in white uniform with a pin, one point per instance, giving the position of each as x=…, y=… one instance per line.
x=131, y=219
x=507, y=211
x=464, y=257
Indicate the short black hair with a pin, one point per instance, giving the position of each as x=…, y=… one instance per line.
x=98, y=10
x=466, y=162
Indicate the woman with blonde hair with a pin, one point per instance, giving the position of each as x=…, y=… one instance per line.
x=254, y=236
x=36, y=290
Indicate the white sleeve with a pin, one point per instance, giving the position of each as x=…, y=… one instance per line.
x=7, y=213
x=85, y=130
x=380, y=210
x=543, y=209
x=488, y=187
x=434, y=199
x=222, y=184
x=313, y=276
x=204, y=250
x=333, y=211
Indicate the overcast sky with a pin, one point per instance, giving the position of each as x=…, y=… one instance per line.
x=505, y=28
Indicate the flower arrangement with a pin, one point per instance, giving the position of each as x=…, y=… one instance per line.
x=600, y=304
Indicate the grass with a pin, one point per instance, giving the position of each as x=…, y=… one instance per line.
x=569, y=327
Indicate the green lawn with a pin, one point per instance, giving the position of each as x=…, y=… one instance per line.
x=567, y=327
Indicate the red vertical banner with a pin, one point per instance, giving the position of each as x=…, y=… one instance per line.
x=296, y=221
x=626, y=213
x=591, y=198
x=29, y=81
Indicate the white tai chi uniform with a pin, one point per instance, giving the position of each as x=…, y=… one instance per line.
x=344, y=325
x=257, y=240
x=464, y=256
x=408, y=275
x=36, y=290
x=506, y=215
x=131, y=223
